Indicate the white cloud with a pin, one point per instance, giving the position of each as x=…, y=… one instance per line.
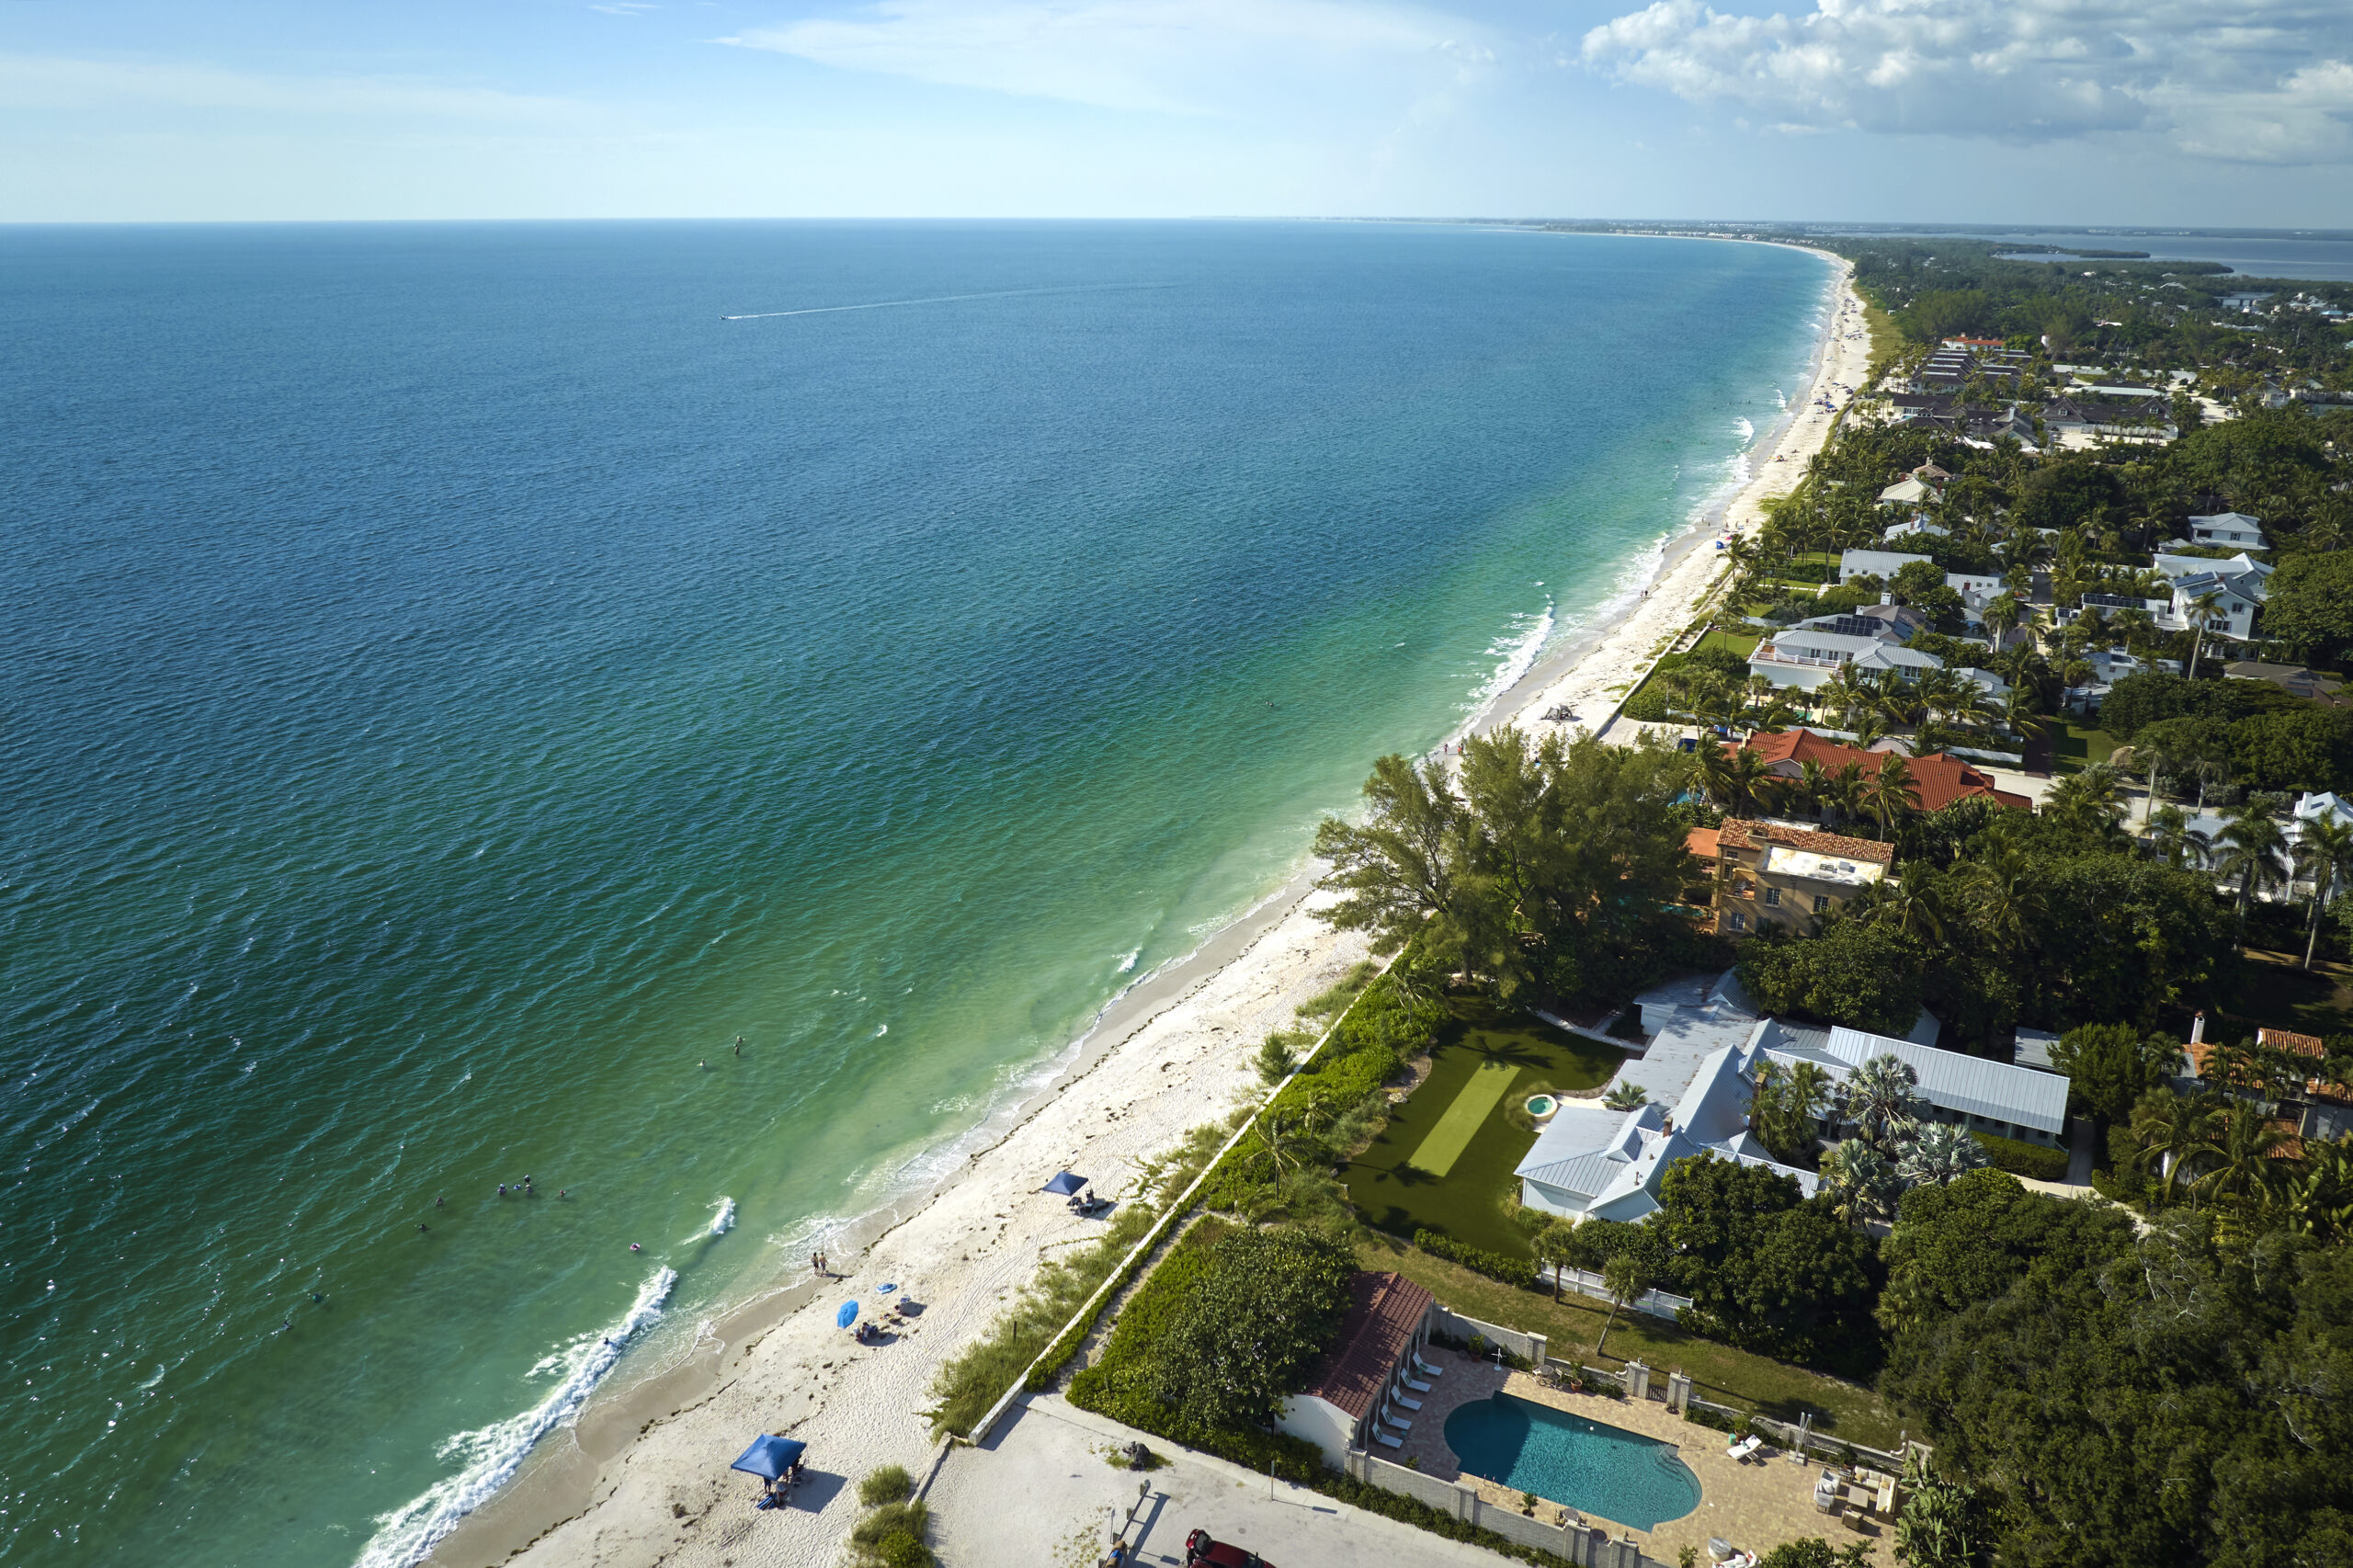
x=2260, y=81
x=1187, y=57
x=36, y=82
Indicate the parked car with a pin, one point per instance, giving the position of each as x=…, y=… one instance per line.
x=1200, y=1552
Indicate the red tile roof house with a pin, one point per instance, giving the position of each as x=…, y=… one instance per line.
x=1389, y=1320
x=1937, y=780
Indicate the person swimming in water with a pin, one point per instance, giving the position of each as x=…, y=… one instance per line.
x=739, y=1045
x=422, y=1229
x=634, y=1247
x=502, y=1189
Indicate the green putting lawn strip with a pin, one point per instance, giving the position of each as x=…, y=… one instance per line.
x=1453, y=1134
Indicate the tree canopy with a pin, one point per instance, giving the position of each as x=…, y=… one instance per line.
x=1261, y=1315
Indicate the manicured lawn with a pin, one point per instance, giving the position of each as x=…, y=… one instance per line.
x=1720, y=1373
x=2276, y=992
x=1741, y=642
x=1485, y=1062
x=2075, y=748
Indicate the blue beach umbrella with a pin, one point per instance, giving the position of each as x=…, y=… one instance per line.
x=770, y=1456
x=1065, y=1184
x=849, y=1314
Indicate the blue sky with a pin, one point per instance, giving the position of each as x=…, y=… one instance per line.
x=2047, y=111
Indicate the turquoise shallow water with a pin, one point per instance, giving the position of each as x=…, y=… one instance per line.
x=460, y=683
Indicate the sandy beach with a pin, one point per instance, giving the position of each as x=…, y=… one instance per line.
x=643, y=1477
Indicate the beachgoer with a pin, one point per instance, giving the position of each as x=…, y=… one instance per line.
x=561, y=1193
x=420, y=1230
x=704, y=1063
x=502, y=1189
x=815, y=1267
x=739, y=1045
x=439, y=1202
x=634, y=1247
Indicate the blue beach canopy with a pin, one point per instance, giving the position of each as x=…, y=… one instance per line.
x=848, y=1314
x=1065, y=1183
x=769, y=1456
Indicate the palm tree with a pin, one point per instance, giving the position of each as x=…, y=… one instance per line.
x=1811, y=786
x=1625, y=1277
x=2244, y=1155
x=1880, y=1097
x=2203, y=605
x=1626, y=1096
x=2003, y=889
x=1889, y=793
x=2173, y=1130
x=2175, y=841
x=1860, y=1183
x=1938, y=1152
x=1868, y=728
x=1736, y=778
x=2002, y=612
x=2320, y=1192
x=2252, y=847
x=1911, y=907
x=1786, y=1105
x=2090, y=801
x=1841, y=793
x=2325, y=848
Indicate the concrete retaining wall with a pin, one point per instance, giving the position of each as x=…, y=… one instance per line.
x=1576, y=1541
x=1531, y=1346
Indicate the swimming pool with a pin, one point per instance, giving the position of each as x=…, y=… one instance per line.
x=1620, y=1475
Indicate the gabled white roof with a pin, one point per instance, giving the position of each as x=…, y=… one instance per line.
x=1949, y=1081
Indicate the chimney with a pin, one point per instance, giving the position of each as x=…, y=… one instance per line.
x=2198, y=1029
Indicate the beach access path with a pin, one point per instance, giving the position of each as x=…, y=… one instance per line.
x=643, y=1478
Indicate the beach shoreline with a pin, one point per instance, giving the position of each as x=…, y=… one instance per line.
x=641, y=1474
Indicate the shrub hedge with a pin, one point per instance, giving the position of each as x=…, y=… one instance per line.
x=1478, y=1260
x=2022, y=1158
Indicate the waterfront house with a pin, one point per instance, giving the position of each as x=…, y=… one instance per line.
x=1905, y=493
x=1778, y=874
x=1996, y=1097
x=1939, y=778
x=1388, y=1322
x=2296, y=680
x=1805, y=654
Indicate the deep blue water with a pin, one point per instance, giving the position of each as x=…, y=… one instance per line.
x=460, y=682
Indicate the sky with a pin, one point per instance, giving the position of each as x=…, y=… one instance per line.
x=2192, y=112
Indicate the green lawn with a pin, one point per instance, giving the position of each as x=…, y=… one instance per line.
x=1449, y=1169
x=2075, y=748
x=1720, y=1373
x=2276, y=991
x=1741, y=642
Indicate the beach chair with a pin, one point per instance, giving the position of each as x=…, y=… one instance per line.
x=1415, y=1383
x=1389, y=1418
x=1426, y=1369
x=1744, y=1448
x=1386, y=1441
x=1400, y=1399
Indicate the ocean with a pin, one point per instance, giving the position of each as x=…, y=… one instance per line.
x=464, y=677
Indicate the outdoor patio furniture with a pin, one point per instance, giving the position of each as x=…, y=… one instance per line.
x=1427, y=1370
x=1417, y=1385
x=1392, y=1420
x=1744, y=1448
x=1386, y=1440
x=1408, y=1404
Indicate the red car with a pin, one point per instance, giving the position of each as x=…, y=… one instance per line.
x=1200, y=1552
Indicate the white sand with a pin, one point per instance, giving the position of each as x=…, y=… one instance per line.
x=643, y=1478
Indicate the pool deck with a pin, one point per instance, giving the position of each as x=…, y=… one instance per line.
x=1757, y=1507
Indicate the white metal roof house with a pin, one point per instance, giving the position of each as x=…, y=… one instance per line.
x=1985, y=1095
x=2233, y=530
x=1874, y=562
x=1805, y=655
x=1700, y=1070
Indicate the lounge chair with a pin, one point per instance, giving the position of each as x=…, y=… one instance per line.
x=1415, y=1384
x=1386, y=1440
x=1400, y=1399
x=1745, y=1446
x=1391, y=1419
x=1426, y=1369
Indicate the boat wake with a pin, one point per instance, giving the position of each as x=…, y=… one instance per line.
x=492, y=1454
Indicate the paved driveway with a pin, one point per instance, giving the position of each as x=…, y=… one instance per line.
x=1042, y=1495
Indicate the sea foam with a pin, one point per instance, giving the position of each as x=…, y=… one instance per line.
x=494, y=1453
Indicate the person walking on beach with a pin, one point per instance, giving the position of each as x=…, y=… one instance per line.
x=816, y=1264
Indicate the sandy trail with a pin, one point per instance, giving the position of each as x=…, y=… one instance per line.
x=643, y=1479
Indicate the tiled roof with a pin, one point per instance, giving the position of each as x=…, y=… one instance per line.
x=1833, y=844
x=1937, y=780
x=2294, y=1044
x=1384, y=1311
x=1701, y=842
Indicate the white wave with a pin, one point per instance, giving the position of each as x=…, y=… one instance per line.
x=1517, y=650
x=1747, y=431
x=880, y=1032
x=1128, y=963
x=494, y=1453
x=724, y=1220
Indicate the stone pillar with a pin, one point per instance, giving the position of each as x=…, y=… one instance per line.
x=1678, y=1391
x=1638, y=1381
x=1541, y=1352
x=1466, y=1503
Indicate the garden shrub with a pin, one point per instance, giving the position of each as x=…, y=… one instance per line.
x=1478, y=1260
x=2022, y=1158
x=891, y=1483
